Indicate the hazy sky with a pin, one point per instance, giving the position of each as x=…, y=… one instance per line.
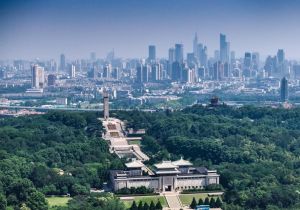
x=46, y=28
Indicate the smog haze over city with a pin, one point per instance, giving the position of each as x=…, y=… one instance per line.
x=149, y=105
x=44, y=29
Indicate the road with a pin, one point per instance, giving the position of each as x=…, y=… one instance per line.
x=68, y=108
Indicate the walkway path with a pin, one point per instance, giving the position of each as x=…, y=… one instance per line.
x=118, y=142
x=173, y=201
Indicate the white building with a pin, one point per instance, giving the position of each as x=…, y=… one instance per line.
x=167, y=176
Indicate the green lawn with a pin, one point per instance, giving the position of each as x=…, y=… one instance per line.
x=148, y=200
x=132, y=142
x=186, y=199
x=58, y=201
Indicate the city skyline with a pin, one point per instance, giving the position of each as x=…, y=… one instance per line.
x=45, y=29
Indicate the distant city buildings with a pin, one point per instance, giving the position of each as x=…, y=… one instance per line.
x=284, y=92
x=38, y=77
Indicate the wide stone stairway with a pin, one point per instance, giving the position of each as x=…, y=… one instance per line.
x=173, y=201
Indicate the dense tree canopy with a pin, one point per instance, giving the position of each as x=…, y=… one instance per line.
x=255, y=149
x=58, y=153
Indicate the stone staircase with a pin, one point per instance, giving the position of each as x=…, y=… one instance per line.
x=173, y=201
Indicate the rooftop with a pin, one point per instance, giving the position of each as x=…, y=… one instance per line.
x=165, y=165
x=182, y=162
x=135, y=164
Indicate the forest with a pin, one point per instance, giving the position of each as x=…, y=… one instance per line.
x=59, y=153
x=255, y=149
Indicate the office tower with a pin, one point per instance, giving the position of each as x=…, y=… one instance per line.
x=227, y=72
x=195, y=46
x=296, y=71
x=105, y=105
x=93, y=57
x=62, y=62
x=191, y=60
x=151, y=53
x=188, y=75
x=179, y=53
x=281, y=67
x=171, y=55
x=218, y=70
x=170, y=61
x=51, y=79
x=224, y=49
x=201, y=72
x=156, y=72
x=72, y=71
x=247, y=65
x=216, y=55
x=284, y=89
x=142, y=74
x=280, y=56
x=176, y=71
x=255, y=61
x=93, y=73
x=203, y=56
x=38, y=79
x=107, y=71
x=115, y=73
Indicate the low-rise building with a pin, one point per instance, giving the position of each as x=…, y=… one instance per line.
x=167, y=176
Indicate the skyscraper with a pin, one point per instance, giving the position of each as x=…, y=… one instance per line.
x=280, y=56
x=195, y=46
x=247, y=64
x=151, y=53
x=224, y=49
x=38, y=79
x=72, y=72
x=179, y=53
x=284, y=89
x=62, y=62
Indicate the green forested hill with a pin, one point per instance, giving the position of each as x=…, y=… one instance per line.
x=54, y=154
x=256, y=150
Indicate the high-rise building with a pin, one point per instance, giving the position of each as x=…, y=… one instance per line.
x=151, y=53
x=38, y=79
x=284, y=89
x=72, y=70
x=62, y=62
x=195, y=46
x=107, y=71
x=179, y=53
x=280, y=56
x=156, y=72
x=171, y=55
x=224, y=49
x=142, y=73
x=176, y=71
x=51, y=79
x=247, y=64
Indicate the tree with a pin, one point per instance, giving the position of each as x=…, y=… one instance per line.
x=212, y=203
x=206, y=201
x=152, y=206
x=133, y=206
x=37, y=201
x=218, y=203
x=200, y=202
x=194, y=203
x=146, y=206
x=140, y=206
x=3, y=202
x=158, y=206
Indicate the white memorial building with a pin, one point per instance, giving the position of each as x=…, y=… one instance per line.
x=167, y=176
